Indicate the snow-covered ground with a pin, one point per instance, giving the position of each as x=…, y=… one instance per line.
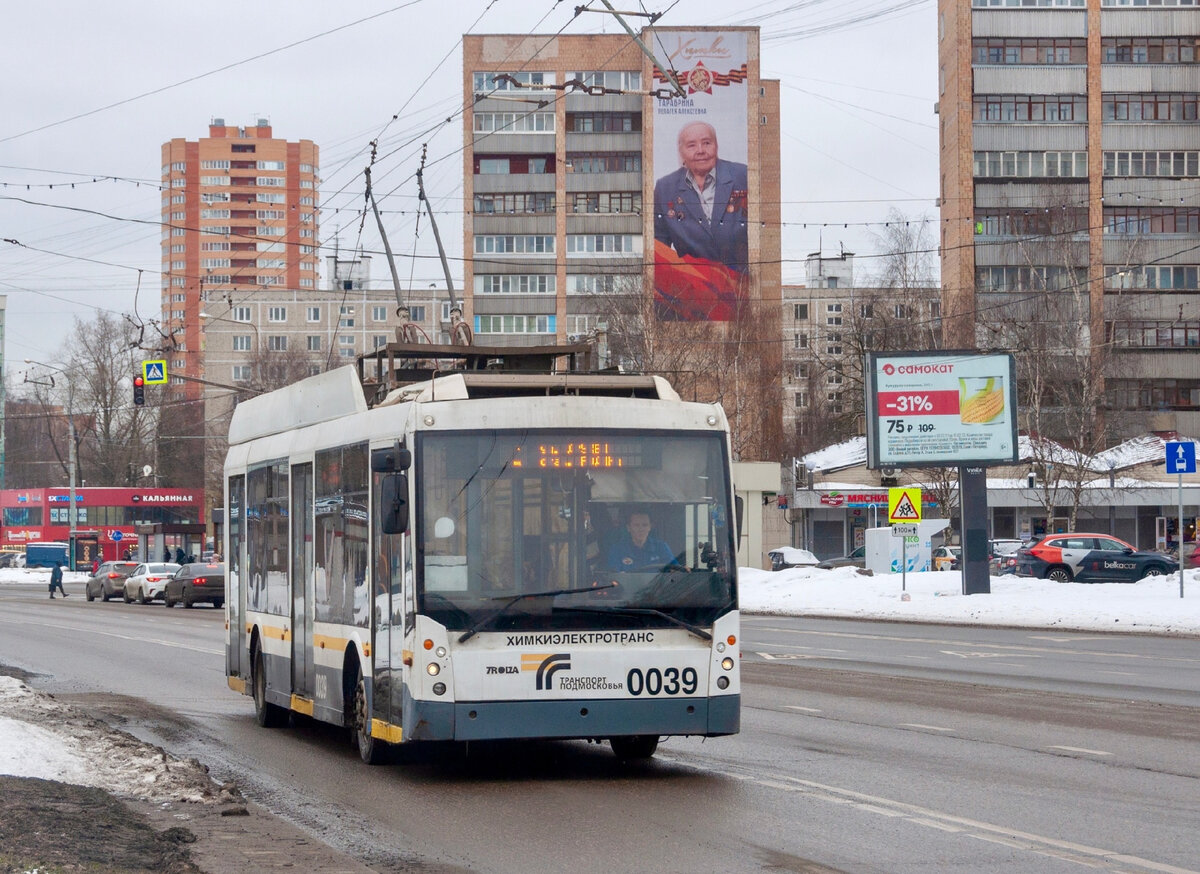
x=39, y=737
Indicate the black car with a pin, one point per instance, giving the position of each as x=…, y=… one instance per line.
x=194, y=583
x=109, y=580
x=858, y=558
x=1090, y=558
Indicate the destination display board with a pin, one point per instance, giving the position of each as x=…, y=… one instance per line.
x=935, y=409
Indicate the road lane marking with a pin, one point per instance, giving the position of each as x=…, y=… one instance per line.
x=925, y=727
x=174, y=644
x=1083, y=854
x=1011, y=649
x=802, y=709
x=1083, y=750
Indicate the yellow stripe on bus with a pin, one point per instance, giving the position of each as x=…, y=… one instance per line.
x=302, y=705
x=237, y=684
x=386, y=732
x=325, y=641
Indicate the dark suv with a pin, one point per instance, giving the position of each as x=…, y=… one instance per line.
x=194, y=583
x=109, y=580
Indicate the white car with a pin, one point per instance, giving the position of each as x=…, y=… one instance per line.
x=789, y=556
x=147, y=582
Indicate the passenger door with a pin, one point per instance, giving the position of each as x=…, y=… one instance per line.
x=1112, y=564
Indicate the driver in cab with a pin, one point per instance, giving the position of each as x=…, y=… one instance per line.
x=637, y=549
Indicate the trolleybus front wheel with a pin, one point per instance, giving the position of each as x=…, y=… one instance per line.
x=370, y=750
x=639, y=746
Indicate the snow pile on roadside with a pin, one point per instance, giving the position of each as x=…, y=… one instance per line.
x=40, y=737
x=1151, y=605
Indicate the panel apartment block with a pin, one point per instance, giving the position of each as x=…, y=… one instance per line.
x=1070, y=139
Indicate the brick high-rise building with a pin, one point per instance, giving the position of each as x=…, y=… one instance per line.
x=240, y=214
x=1070, y=167
x=560, y=168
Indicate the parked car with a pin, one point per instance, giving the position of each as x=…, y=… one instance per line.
x=947, y=558
x=788, y=556
x=858, y=558
x=147, y=581
x=1090, y=558
x=1002, y=556
x=109, y=580
x=194, y=583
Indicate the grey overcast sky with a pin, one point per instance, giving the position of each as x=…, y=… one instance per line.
x=92, y=90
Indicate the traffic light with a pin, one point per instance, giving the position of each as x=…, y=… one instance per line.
x=139, y=390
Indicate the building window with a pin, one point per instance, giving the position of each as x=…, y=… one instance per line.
x=514, y=244
x=995, y=279
x=379, y=340
x=240, y=314
x=1031, y=165
x=241, y=343
x=514, y=165
x=603, y=122
x=800, y=370
x=865, y=311
x=515, y=81
x=515, y=324
x=1165, y=106
x=345, y=340
x=1156, y=335
x=277, y=314
x=1016, y=50
x=416, y=313
x=513, y=122
x=1147, y=50
x=800, y=312
x=241, y=372
x=604, y=244
x=1173, y=164
x=379, y=314
x=606, y=202
x=277, y=343
x=1156, y=394
x=801, y=399
x=604, y=162
x=515, y=283
x=800, y=341
x=1049, y=108
x=612, y=80
x=1152, y=220
x=314, y=314
x=1156, y=277
x=603, y=283
x=527, y=202
x=314, y=343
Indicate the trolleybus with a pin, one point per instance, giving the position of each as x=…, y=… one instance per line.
x=461, y=561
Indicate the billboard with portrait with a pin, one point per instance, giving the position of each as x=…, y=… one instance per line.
x=701, y=192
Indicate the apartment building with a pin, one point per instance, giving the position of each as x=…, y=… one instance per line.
x=240, y=215
x=1070, y=172
x=560, y=165
x=828, y=324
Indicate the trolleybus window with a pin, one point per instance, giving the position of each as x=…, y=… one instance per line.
x=521, y=522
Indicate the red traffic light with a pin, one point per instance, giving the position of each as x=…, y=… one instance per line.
x=138, y=382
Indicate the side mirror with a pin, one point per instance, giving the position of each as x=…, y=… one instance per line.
x=1127, y=550
x=393, y=504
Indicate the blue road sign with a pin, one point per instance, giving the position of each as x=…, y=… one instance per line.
x=1181, y=457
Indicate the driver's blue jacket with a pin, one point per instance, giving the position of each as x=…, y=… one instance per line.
x=654, y=553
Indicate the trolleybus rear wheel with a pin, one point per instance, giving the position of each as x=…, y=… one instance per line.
x=268, y=715
x=639, y=746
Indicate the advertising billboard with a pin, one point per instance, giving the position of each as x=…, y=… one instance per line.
x=940, y=409
x=701, y=193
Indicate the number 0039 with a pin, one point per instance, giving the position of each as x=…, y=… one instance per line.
x=669, y=681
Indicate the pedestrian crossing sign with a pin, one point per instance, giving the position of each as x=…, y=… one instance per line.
x=154, y=372
x=904, y=505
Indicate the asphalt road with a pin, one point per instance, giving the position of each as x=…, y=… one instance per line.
x=865, y=747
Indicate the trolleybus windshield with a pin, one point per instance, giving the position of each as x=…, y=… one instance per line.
x=579, y=529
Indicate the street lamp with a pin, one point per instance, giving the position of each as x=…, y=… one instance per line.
x=72, y=513
x=811, y=467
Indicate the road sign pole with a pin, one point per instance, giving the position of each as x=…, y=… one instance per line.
x=904, y=564
x=1179, y=536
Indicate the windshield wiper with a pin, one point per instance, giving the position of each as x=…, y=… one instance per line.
x=649, y=611
x=491, y=617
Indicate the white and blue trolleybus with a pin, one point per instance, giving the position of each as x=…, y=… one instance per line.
x=484, y=555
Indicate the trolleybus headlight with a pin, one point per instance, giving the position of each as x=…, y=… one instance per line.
x=440, y=688
x=712, y=421
x=722, y=682
x=428, y=421
x=727, y=663
x=440, y=652
x=720, y=646
x=433, y=669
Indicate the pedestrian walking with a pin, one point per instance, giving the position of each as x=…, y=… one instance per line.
x=56, y=580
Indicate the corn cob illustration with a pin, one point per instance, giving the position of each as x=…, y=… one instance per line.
x=984, y=405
